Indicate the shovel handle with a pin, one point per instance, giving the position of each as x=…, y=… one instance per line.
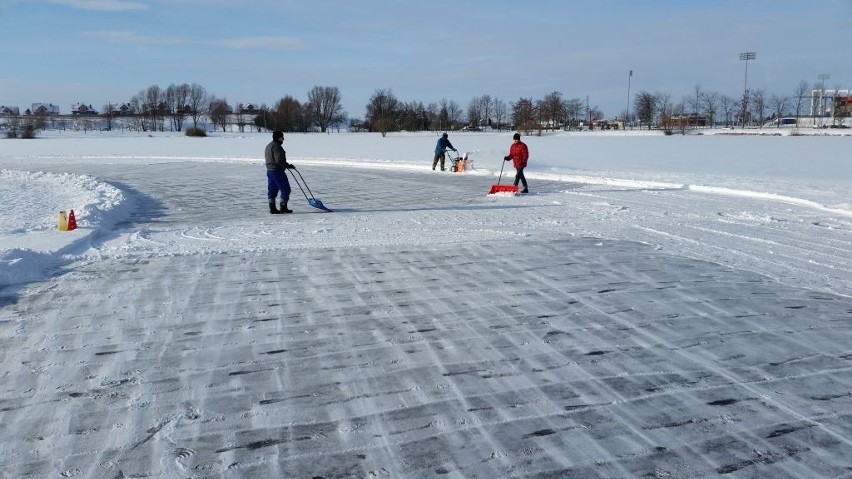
x=502, y=164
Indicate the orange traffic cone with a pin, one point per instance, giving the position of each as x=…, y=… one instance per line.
x=72, y=222
x=62, y=221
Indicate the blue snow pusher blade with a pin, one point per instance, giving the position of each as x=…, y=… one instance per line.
x=317, y=204
x=300, y=180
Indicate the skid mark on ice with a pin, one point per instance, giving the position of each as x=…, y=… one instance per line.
x=547, y=356
x=819, y=261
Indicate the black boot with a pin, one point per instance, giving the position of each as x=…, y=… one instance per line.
x=272, y=209
x=283, y=208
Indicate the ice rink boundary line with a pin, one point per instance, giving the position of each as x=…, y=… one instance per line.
x=562, y=178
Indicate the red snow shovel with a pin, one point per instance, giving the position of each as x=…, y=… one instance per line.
x=498, y=188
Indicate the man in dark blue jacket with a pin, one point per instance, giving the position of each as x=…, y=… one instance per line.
x=442, y=146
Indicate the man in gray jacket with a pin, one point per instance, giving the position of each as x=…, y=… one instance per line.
x=276, y=174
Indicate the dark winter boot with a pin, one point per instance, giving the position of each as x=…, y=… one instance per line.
x=283, y=208
x=272, y=209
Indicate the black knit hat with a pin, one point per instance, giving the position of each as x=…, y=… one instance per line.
x=516, y=136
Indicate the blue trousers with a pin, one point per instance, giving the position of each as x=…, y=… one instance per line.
x=277, y=181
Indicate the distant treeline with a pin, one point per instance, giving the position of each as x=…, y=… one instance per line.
x=171, y=108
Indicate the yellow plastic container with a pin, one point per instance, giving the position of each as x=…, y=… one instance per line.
x=62, y=221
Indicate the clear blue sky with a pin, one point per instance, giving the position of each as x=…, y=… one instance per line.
x=102, y=51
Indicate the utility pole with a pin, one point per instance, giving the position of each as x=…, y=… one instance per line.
x=627, y=118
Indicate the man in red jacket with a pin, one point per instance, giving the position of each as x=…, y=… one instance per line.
x=519, y=154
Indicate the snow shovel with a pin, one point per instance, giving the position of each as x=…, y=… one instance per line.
x=311, y=201
x=498, y=188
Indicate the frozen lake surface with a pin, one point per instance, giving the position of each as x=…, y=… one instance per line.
x=656, y=323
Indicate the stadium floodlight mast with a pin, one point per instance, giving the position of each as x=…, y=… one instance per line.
x=746, y=56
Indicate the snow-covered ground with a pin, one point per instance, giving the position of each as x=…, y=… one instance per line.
x=657, y=306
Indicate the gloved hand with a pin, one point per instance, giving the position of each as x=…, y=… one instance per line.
x=291, y=166
x=507, y=158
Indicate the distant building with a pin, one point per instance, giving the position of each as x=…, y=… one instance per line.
x=122, y=109
x=44, y=109
x=221, y=106
x=832, y=102
x=9, y=111
x=842, y=105
x=161, y=108
x=686, y=121
x=247, y=108
x=83, y=109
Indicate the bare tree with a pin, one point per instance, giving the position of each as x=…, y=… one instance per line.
x=553, y=110
x=779, y=105
x=681, y=111
x=574, y=110
x=325, y=107
x=136, y=105
x=218, y=112
x=261, y=119
x=523, y=115
x=443, y=116
x=423, y=117
x=538, y=109
x=455, y=114
x=413, y=116
x=21, y=127
x=694, y=103
x=728, y=106
x=500, y=112
x=154, y=102
x=644, y=105
x=710, y=104
x=287, y=115
x=13, y=126
x=177, y=99
x=240, y=118
x=39, y=119
x=485, y=109
x=433, y=111
x=744, y=107
x=197, y=100
x=109, y=114
x=758, y=100
x=479, y=111
x=474, y=112
x=835, y=102
x=664, y=109
x=799, y=94
x=382, y=111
